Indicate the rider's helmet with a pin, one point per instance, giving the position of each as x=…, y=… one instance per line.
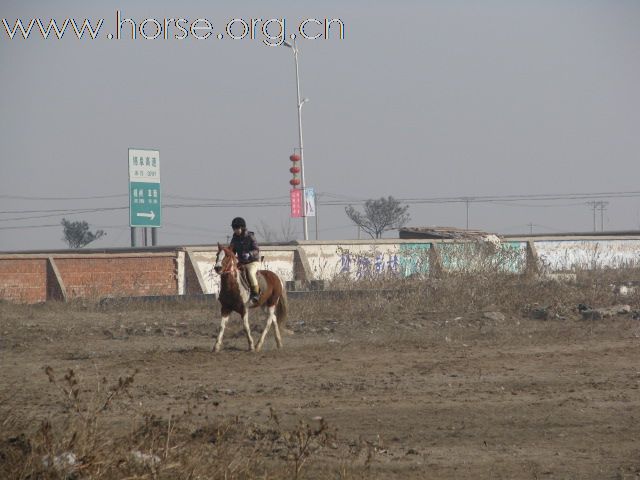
x=238, y=222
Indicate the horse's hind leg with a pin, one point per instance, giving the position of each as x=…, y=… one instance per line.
x=247, y=330
x=223, y=323
x=276, y=330
x=270, y=320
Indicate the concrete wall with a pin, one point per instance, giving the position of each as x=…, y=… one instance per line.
x=364, y=259
x=359, y=260
x=275, y=258
x=37, y=277
x=566, y=255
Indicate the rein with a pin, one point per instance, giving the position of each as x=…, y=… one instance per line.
x=231, y=266
x=231, y=269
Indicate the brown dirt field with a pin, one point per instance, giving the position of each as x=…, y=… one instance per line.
x=409, y=394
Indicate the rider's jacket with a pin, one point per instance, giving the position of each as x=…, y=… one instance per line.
x=243, y=244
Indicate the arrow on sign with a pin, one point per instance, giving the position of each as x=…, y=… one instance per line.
x=150, y=215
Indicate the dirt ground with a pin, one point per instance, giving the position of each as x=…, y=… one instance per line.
x=407, y=395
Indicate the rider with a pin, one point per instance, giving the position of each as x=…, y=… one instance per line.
x=246, y=247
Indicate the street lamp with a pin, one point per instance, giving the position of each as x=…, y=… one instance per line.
x=294, y=48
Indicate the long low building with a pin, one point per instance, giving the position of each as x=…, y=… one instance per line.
x=38, y=276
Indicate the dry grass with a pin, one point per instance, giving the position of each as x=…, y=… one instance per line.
x=79, y=441
x=464, y=292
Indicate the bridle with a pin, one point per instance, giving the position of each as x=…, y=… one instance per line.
x=226, y=266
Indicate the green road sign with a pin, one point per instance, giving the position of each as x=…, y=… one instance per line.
x=145, y=202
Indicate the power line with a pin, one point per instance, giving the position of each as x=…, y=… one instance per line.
x=23, y=197
x=526, y=205
x=194, y=228
x=30, y=226
x=54, y=210
x=206, y=199
x=336, y=200
x=513, y=198
x=343, y=200
x=64, y=212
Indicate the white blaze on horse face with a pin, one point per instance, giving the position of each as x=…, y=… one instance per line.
x=219, y=259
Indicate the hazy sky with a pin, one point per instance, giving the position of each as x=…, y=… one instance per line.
x=420, y=100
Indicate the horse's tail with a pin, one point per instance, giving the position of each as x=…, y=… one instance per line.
x=282, y=308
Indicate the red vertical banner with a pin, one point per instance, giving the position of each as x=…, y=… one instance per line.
x=296, y=202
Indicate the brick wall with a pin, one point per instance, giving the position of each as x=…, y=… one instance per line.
x=113, y=275
x=23, y=280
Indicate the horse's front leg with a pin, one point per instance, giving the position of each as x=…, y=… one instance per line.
x=247, y=329
x=223, y=323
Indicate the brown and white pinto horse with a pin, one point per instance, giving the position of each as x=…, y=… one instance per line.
x=234, y=297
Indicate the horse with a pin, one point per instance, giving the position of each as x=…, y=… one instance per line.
x=234, y=297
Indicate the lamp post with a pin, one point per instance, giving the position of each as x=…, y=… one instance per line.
x=294, y=48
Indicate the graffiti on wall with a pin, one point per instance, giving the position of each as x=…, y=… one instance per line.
x=364, y=266
x=409, y=259
x=483, y=256
x=414, y=259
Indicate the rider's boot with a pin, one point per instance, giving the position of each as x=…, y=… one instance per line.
x=255, y=295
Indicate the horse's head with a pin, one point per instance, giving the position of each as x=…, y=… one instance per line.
x=226, y=260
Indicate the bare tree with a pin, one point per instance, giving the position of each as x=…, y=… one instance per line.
x=379, y=216
x=77, y=234
x=265, y=232
x=287, y=231
x=268, y=234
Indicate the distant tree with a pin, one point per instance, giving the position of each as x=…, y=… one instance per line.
x=287, y=231
x=379, y=216
x=265, y=232
x=268, y=234
x=77, y=234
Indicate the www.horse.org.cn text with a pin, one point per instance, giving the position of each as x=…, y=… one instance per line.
x=271, y=32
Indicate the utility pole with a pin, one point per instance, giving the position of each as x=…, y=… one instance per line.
x=467, y=201
x=603, y=206
x=595, y=206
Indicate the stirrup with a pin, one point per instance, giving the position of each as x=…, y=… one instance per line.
x=253, y=299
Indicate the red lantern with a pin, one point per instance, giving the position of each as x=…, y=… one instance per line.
x=295, y=170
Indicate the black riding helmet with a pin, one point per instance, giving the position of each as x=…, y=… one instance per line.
x=238, y=222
